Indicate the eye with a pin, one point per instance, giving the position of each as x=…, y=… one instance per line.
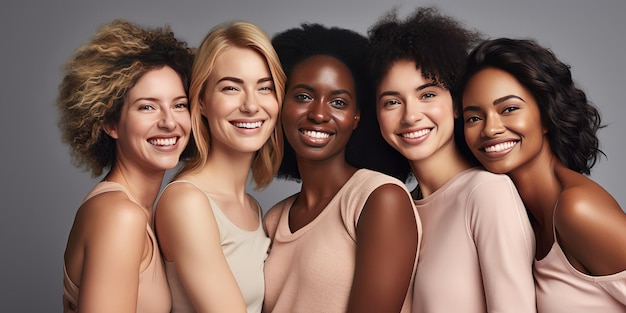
x=267, y=89
x=181, y=105
x=510, y=109
x=230, y=89
x=428, y=95
x=146, y=107
x=303, y=97
x=338, y=103
x=472, y=119
x=391, y=102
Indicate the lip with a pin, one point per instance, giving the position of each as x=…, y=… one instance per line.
x=247, y=124
x=314, y=136
x=415, y=136
x=496, y=149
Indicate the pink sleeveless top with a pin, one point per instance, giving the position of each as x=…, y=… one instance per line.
x=562, y=288
x=154, y=292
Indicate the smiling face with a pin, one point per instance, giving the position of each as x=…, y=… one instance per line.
x=154, y=123
x=503, y=125
x=320, y=110
x=239, y=101
x=415, y=114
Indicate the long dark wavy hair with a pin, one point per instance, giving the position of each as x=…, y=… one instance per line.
x=572, y=121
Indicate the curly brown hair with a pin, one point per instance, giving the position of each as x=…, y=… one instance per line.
x=98, y=77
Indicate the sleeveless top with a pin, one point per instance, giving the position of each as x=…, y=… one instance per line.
x=153, y=294
x=562, y=288
x=312, y=269
x=245, y=253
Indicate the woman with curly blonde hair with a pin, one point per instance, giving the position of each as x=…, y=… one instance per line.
x=124, y=108
x=208, y=227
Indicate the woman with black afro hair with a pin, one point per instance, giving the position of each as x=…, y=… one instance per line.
x=525, y=117
x=348, y=241
x=478, y=246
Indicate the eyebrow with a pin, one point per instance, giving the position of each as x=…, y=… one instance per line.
x=395, y=93
x=240, y=81
x=495, y=102
x=152, y=99
x=333, y=92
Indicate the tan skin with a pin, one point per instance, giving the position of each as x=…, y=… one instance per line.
x=589, y=222
x=108, y=246
x=321, y=97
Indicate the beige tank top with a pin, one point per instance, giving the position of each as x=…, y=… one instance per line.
x=154, y=292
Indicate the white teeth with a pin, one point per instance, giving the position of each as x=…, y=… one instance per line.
x=163, y=141
x=315, y=134
x=248, y=125
x=416, y=134
x=500, y=147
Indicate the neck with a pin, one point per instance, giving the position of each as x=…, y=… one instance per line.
x=323, y=179
x=226, y=172
x=436, y=170
x=538, y=185
x=142, y=184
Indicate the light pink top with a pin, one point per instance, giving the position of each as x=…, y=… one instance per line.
x=562, y=288
x=477, y=249
x=154, y=292
x=312, y=269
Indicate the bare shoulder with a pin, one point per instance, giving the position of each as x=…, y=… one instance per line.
x=391, y=202
x=112, y=212
x=590, y=225
x=181, y=197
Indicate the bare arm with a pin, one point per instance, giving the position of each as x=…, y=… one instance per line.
x=387, y=240
x=115, y=239
x=189, y=236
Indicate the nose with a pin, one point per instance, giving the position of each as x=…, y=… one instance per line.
x=250, y=104
x=167, y=120
x=412, y=113
x=493, y=125
x=318, y=112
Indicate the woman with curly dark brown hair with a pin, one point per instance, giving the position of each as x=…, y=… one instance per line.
x=477, y=247
x=124, y=108
x=525, y=117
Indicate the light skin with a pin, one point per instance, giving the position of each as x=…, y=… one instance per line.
x=416, y=118
x=108, y=246
x=241, y=107
x=319, y=114
x=503, y=129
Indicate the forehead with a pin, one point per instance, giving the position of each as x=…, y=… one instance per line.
x=322, y=68
x=493, y=83
x=240, y=61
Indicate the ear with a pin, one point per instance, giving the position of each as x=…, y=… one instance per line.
x=111, y=130
x=357, y=119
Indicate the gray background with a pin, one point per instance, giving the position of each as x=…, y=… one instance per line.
x=41, y=189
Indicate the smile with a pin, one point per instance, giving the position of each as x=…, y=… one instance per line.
x=416, y=134
x=248, y=125
x=163, y=141
x=501, y=146
x=315, y=134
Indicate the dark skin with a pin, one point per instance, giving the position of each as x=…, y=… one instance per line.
x=589, y=222
x=320, y=101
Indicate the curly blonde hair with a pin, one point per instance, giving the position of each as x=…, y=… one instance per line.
x=97, y=79
x=245, y=35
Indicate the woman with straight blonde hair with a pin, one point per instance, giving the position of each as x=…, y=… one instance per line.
x=208, y=227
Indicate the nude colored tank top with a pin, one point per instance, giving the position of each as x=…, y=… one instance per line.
x=245, y=253
x=154, y=292
x=562, y=288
